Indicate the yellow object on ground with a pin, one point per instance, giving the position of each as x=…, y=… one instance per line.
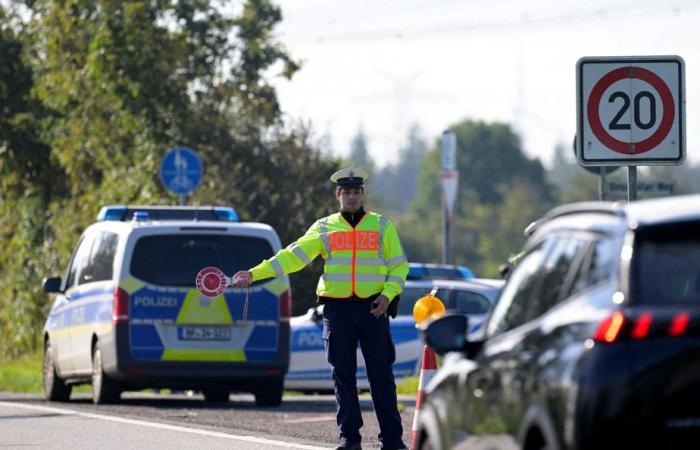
x=427, y=307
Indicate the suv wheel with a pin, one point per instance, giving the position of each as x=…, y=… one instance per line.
x=270, y=393
x=104, y=389
x=55, y=388
x=216, y=394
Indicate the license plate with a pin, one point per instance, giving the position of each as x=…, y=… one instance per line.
x=204, y=333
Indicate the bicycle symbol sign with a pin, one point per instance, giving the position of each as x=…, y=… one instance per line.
x=181, y=170
x=631, y=111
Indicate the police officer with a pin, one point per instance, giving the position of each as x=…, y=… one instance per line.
x=365, y=269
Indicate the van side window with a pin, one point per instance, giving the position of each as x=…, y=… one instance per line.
x=516, y=299
x=557, y=272
x=100, y=267
x=81, y=257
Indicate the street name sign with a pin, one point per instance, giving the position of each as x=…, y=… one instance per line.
x=630, y=110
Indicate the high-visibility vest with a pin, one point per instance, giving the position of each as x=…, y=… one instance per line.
x=364, y=261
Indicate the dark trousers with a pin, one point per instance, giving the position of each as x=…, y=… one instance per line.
x=344, y=325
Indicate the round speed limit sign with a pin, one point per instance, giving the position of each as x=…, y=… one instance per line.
x=631, y=111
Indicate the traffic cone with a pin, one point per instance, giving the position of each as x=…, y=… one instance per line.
x=428, y=368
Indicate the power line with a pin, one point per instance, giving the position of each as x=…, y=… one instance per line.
x=570, y=16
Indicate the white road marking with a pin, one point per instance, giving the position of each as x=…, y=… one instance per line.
x=311, y=419
x=163, y=426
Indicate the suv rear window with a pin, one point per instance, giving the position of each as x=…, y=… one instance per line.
x=666, y=267
x=175, y=260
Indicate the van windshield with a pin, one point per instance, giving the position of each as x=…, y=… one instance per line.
x=175, y=260
x=666, y=268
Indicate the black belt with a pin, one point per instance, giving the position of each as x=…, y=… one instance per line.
x=352, y=299
x=392, y=310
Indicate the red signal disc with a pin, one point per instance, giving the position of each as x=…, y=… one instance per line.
x=211, y=281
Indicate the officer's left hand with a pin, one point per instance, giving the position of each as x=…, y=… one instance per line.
x=380, y=306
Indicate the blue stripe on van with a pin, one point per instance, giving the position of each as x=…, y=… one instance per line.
x=309, y=338
x=403, y=369
x=99, y=291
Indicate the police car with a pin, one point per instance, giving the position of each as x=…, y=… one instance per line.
x=309, y=370
x=127, y=316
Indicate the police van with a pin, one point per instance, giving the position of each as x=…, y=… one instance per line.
x=127, y=315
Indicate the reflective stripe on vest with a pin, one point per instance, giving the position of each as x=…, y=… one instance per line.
x=346, y=261
x=300, y=253
x=398, y=260
x=277, y=267
x=323, y=231
x=394, y=279
x=376, y=278
x=382, y=228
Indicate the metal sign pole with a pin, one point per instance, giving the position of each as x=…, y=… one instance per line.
x=601, y=184
x=448, y=179
x=446, y=257
x=182, y=200
x=631, y=183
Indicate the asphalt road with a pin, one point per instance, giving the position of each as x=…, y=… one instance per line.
x=146, y=420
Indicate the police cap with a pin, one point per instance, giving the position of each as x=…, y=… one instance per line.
x=349, y=177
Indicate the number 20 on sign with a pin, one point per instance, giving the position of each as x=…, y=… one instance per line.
x=630, y=110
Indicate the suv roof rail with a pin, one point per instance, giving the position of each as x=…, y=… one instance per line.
x=135, y=212
x=610, y=208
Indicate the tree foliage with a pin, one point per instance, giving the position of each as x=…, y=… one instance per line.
x=396, y=183
x=500, y=191
x=95, y=92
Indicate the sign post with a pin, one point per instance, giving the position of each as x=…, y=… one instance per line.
x=630, y=111
x=602, y=172
x=181, y=172
x=449, y=180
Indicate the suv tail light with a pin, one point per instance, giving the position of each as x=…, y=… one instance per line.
x=120, y=307
x=642, y=325
x=679, y=324
x=609, y=328
x=618, y=326
x=285, y=306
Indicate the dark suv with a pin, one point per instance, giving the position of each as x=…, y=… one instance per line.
x=594, y=342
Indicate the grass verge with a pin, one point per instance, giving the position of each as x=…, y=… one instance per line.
x=409, y=386
x=22, y=374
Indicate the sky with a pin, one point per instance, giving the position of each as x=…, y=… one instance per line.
x=382, y=65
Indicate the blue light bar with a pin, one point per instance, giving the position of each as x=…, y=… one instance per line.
x=111, y=212
x=140, y=215
x=226, y=214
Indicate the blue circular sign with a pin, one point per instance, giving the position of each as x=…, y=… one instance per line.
x=181, y=170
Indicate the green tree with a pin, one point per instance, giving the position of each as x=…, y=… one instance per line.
x=99, y=90
x=359, y=152
x=29, y=179
x=395, y=184
x=492, y=170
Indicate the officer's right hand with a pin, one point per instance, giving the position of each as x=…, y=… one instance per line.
x=242, y=278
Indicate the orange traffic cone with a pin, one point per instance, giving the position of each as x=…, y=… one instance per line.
x=427, y=371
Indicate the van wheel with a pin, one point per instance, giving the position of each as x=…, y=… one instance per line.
x=55, y=388
x=216, y=395
x=536, y=441
x=104, y=389
x=270, y=393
